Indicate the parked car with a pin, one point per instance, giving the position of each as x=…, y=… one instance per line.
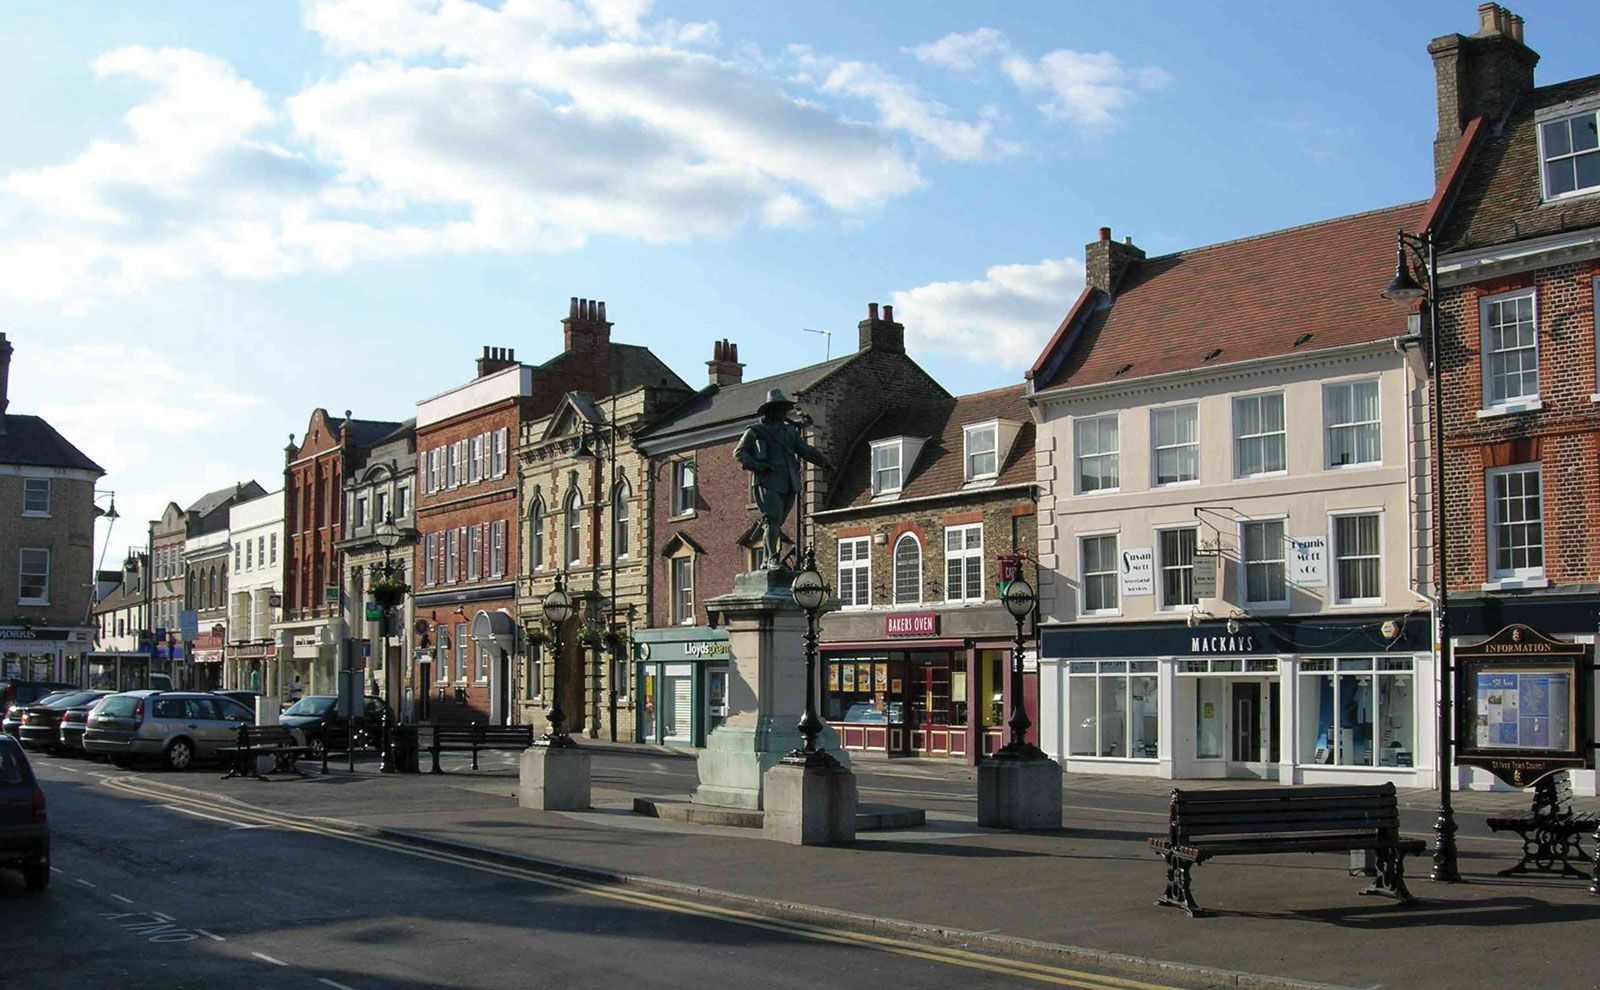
x=24, y=824
x=41, y=725
x=177, y=727
x=17, y=712
x=75, y=719
x=18, y=695
x=245, y=698
x=317, y=718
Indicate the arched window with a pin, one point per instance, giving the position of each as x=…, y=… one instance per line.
x=574, y=529
x=536, y=522
x=211, y=588
x=621, y=519
x=907, y=570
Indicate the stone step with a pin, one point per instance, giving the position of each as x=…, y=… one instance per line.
x=869, y=817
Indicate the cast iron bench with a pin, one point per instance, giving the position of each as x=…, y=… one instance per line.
x=477, y=737
x=1551, y=831
x=276, y=741
x=1263, y=821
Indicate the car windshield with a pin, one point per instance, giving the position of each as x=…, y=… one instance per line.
x=118, y=706
x=317, y=705
x=69, y=700
x=11, y=771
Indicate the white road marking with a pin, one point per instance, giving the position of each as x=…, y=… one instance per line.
x=158, y=914
x=336, y=986
x=213, y=936
x=125, y=900
x=266, y=958
x=55, y=869
x=85, y=882
x=210, y=818
x=57, y=766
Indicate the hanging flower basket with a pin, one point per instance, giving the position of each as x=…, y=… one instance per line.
x=589, y=637
x=390, y=592
x=616, y=642
x=537, y=636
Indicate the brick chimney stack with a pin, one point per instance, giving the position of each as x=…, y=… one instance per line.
x=496, y=359
x=724, y=367
x=5, y=379
x=586, y=328
x=1479, y=76
x=1106, y=261
x=881, y=333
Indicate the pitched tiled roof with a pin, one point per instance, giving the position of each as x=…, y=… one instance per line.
x=737, y=403
x=30, y=440
x=1499, y=197
x=366, y=432
x=1246, y=299
x=939, y=468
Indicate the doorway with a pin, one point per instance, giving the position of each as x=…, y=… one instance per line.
x=1253, y=738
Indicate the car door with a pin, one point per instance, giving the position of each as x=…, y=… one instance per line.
x=212, y=731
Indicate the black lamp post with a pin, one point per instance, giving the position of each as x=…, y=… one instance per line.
x=810, y=593
x=557, y=610
x=388, y=536
x=1019, y=599
x=1405, y=290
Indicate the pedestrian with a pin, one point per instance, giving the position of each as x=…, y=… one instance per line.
x=295, y=690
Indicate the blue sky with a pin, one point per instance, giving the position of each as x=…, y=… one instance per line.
x=217, y=216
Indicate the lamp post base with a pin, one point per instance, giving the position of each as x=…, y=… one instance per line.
x=1022, y=793
x=810, y=805
x=554, y=779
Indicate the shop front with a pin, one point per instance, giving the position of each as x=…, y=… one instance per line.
x=1293, y=700
x=681, y=683
x=307, y=653
x=247, y=666
x=931, y=683
x=208, y=658
x=42, y=653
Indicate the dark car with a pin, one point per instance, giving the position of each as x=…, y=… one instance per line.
x=41, y=724
x=317, y=718
x=245, y=698
x=74, y=719
x=27, y=692
x=24, y=825
x=16, y=711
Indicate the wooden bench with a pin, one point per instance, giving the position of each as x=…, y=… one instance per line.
x=477, y=737
x=276, y=741
x=1263, y=821
x=1551, y=831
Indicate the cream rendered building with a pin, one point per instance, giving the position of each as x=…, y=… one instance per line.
x=1228, y=456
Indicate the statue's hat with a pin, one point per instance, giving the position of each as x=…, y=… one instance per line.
x=776, y=400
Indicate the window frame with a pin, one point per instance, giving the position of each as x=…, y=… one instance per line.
x=572, y=529
x=894, y=569
x=1356, y=424
x=861, y=559
x=1564, y=114
x=537, y=515
x=685, y=497
x=966, y=555
x=992, y=428
x=1156, y=448
x=1078, y=455
x=1233, y=408
x=23, y=599
x=1520, y=403
x=1282, y=560
x=683, y=592
x=621, y=520
x=883, y=446
x=1529, y=576
x=1161, y=568
x=49, y=498
x=1083, y=572
x=1336, y=594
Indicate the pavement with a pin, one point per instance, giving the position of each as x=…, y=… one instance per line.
x=1079, y=897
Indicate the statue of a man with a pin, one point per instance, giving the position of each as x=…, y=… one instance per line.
x=772, y=449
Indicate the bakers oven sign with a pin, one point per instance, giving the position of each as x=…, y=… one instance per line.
x=915, y=624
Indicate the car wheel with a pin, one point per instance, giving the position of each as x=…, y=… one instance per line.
x=36, y=875
x=180, y=754
x=316, y=746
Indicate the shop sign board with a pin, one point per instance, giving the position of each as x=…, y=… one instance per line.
x=708, y=648
x=32, y=632
x=189, y=625
x=1308, y=561
x=1205, y=574
x=911, y=624
x=1138, y=570
x=307, y=645
x=1523, y=703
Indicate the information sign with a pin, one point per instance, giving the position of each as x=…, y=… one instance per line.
x=1523, y=705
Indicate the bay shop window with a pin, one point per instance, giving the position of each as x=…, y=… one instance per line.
x=1112, y=708
x=1357, y=712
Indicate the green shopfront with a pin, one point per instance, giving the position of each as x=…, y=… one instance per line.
x=681, y=680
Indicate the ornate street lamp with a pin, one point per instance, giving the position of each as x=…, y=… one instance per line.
x=1019, y=599
x=1405, y=290
x=810, y=593
x=388, y=592
x=557, y=610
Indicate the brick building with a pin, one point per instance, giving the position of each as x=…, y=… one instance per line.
x=46, y=544
x=121, y=618
x=916, y=660
x=314, y=628
x=704, y=528
x=167, y=587
x=1517, y=225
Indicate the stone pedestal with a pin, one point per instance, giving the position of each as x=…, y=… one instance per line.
x=1019, y=794
x=554, y=779
x=766, y=692
x=810, y=806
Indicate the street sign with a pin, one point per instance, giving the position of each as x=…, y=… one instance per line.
x=275, y=601
x=330, y=594
x=189, y=625
x=374, y=612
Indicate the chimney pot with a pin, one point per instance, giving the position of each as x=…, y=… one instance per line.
x=872, y=311
x=1516, y=27
x=5, y=379
x=572, y=312
x=888, y=313
x=1105, y=233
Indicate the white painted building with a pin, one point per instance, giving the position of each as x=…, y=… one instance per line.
x=255, y=531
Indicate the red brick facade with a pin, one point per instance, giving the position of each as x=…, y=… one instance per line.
x=313, y=480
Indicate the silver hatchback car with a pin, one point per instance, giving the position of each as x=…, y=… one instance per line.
x=178, y=727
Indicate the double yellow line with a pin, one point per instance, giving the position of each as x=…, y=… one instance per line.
x=1020, y=969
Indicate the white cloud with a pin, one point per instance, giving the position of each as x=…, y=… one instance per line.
x=961, y=52
x=1082, y=88
x=1006, y=317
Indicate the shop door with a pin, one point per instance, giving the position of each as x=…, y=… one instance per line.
x=930, y=709
x=1253, y=729
x=1246, y=722
x=677, y=703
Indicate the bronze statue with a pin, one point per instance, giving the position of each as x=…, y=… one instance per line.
x=772, y=449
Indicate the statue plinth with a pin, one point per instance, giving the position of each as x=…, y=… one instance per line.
x=766, y=691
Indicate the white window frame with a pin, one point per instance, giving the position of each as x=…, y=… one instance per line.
x=1156, y=449
x=1244, y=561
x=1078, y=456
x=361, y=511
x=33, y=599
x=860, y=560
x=968, y=432
x=685, y=488
x=572, y=529
x=1512, y=404
x=430, y=562
x=1233, y=406
x=49, y=498
x=1161, y=567
x=683, y=594
x=1328, y=426
x=1550, y=116
x=1336, y=593
x=621, y=537
x=970, y=557
x=1518, y=576
x=1083, y=573
x=538, y=518
x=894, y=569
x=899, y=469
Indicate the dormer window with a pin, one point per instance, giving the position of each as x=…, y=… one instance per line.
x=983, y=451
x=1569, y=148
x=887, y=460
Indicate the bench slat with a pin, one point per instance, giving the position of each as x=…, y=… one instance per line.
x=1296, y=793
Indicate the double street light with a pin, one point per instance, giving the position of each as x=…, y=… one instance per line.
x=1405, y=290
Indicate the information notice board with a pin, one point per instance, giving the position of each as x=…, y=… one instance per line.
x=1523, y=705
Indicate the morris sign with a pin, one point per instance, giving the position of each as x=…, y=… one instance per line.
x=914, y=624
